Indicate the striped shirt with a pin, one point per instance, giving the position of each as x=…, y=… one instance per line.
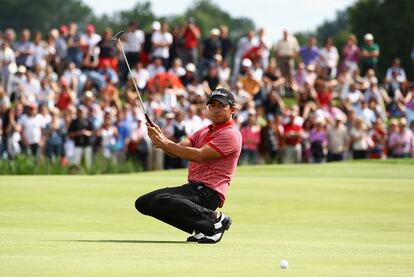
x=217, y=173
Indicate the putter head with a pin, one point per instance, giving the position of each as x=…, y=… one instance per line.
x=118, y=35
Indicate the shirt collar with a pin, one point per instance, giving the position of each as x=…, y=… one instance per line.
x=221, y=125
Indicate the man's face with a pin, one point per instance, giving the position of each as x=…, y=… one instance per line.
x=219, y=112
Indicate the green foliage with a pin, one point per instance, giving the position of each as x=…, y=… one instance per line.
x=28, y=165
x=338, y=29
x=42, y=17
x=208, y=15
x=391, y=23
x=140, y=13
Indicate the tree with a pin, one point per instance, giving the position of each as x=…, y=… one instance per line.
x=42, y=17
x=391, y=23
x=208, y=15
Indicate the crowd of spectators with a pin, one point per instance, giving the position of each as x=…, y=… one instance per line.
x=68, y=96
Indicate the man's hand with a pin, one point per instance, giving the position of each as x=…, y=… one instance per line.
x=158, y=139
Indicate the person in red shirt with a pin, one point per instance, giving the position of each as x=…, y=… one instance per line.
x=292, y=139
x=190, y=34
x=212, y=152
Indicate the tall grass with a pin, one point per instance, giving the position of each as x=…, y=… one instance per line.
x=29, y=165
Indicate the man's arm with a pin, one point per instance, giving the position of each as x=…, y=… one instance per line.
x=185, y=142
x=184, y=151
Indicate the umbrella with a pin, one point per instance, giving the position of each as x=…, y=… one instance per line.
x=165, y=79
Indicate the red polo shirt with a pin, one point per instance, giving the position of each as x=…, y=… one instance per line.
x=216, y=174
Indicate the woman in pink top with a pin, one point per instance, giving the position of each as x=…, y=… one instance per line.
x=251, y=139
x=212, y=152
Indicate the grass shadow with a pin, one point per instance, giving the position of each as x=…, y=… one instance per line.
x=131, y=241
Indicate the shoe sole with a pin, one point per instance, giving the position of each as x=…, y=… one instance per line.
x=213, y=242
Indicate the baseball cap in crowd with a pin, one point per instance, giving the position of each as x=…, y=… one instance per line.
x=170, y=115
x=215, y=32
x=90, y=28
x=190, y=20
x=21, y=69
x=64, y=29
x=223, y=96
x=190, y=67
x=247, y=62
x=156, y=25
x=32, y=106
x=368, y=36
x=218, y=57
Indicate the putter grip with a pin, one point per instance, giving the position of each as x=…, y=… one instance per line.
x=149, y=120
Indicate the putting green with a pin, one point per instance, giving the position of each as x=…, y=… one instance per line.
x=343, y=219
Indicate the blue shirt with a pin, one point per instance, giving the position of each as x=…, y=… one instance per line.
x=309, y=55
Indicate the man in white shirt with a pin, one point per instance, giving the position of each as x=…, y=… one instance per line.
x=32, y=125
x=133, y=40
x=89, y=40
x=7, y=64
x=395, y=76
x=244, y=45
x=161, y=42
x=263, y=39
x=286, y=50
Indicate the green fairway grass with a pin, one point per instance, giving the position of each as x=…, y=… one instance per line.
x=342, y=219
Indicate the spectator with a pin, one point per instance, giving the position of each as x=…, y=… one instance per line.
x=138, y=148
x=61, y=48
x=286, y=50
x=318, y=141
x=351, y=54
x=310, y=53
x=370, y=54
x=141, y=75
x=271, y=139
x=40, y=52
x=31, y=130
x=292, y=139
x=161, y=42
x=329, y=58
x=81, y=131
x=54, y=135
x=73, y=41
x=134, y=39
x=156, y=67
x=7, y=66
x=190, y=34
x=250, y=132
x=211, y=46
x=108, y=52
x=338, y=140
x=243, y=46
x=395, y=77
x=108, y=134
x=401, y=142
x=360, y=141
x=24, y=50
x=176, y=68
x=378, y=136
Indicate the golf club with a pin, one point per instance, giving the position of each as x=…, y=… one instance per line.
x=117, y=38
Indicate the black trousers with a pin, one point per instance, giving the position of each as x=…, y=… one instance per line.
x=189, y=207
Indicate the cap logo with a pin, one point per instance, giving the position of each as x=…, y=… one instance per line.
x=217, y=92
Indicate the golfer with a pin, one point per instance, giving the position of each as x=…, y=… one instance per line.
x=213, y=152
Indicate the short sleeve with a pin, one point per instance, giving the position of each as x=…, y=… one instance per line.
x=194, y=137
x=226, y=142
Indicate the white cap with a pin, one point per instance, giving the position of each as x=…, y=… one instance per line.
x=215, y=32
x=21, y=69
x=156, y=25
x=190, y=67
x=218, y=57
x=368, y=36
x=247, y=62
